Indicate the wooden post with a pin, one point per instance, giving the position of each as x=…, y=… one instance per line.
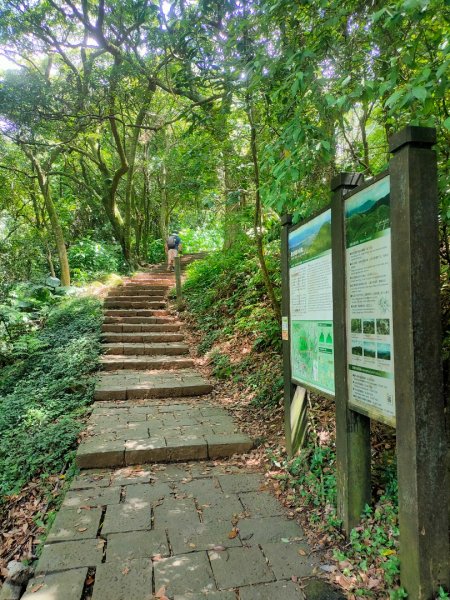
x=177, y=263
x=352, y=428
x=289, y=387
x=421, y=437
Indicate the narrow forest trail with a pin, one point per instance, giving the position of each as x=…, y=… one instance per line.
x=134, y=527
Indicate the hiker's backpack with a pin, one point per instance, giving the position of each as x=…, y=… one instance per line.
x=171, y=242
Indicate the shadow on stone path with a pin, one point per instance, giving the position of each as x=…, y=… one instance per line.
x=134, y=528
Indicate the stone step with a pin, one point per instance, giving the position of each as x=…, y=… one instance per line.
x=136, y=312
x=143, y=298
x=140, y=327
x=149, y=279
x=113, y=362
x=134, y=385
x=122, y=304
x=141, y=320
x=128, y=434
x=137, y=292
x=142, y=337
x=168, y=348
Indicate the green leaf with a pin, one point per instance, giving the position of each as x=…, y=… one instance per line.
x=446, y=123
x=377, y=15
x=393, y=98
x=420, y=93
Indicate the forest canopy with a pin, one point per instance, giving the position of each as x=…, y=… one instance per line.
x=120, y=120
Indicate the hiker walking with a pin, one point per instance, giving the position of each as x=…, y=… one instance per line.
x=173, y=245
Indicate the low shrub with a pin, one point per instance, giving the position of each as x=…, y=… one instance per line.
x=45, y=393
x=91, y=259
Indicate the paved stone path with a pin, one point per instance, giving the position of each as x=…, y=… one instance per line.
x=134, y=528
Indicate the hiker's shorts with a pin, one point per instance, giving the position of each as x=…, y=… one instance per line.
x=172, y=253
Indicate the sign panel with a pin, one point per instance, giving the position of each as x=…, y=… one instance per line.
x=369, y=302
x=311, y=304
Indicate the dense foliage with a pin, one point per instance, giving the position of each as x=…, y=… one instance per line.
x=46, y=392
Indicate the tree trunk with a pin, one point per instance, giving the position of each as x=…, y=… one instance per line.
x=164, y=206
x=50, y=262
x=44, y=186
x=59, y=236
x=230, y=226
x=257, y=225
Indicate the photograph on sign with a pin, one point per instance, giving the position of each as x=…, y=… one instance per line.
x=369, y=302
x=311, y=304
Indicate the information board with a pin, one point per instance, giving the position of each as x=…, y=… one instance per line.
x=311, y=304
x=369, y=302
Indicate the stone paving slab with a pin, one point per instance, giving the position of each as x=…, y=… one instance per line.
x=136, y=312
x=237, y=567
x=145, y=451
x=201, y=536
x=207, y=595
x=57, y=586
x=70, y=555
x=290, y=560
x=185, y=573
x=158, y=348
x=128, y=433
x=119, y=581
x=175, y=513
x=130, y=319
x=150, y=384
x=92, y=497
x=72, y=525
x=269, y=529
x=280, y=589
x=136, y=544
x=140, y=327
x=260, y=504
x=142, y=336
x=127, y=517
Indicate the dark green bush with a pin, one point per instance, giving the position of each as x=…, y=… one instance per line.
x=44, y=395
x=226, y=292
x=155, y=252
x=90, y=259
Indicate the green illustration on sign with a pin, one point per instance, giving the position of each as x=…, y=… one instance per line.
x=312, y=354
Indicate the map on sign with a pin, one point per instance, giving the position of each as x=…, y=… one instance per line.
x=311, y=304
x=369, y=302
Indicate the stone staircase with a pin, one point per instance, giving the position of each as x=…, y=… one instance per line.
x=151, y=405
x=184, y=531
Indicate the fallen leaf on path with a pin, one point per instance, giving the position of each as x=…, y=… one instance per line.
x=36, y=588
x=161, y=593
x=302, y=552
x=125, y=571
x=373, y=583
x=346, y=583
x=233, y=533
x=81, y=529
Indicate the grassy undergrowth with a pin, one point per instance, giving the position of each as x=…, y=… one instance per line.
x=44, y=394
x=226, y=296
